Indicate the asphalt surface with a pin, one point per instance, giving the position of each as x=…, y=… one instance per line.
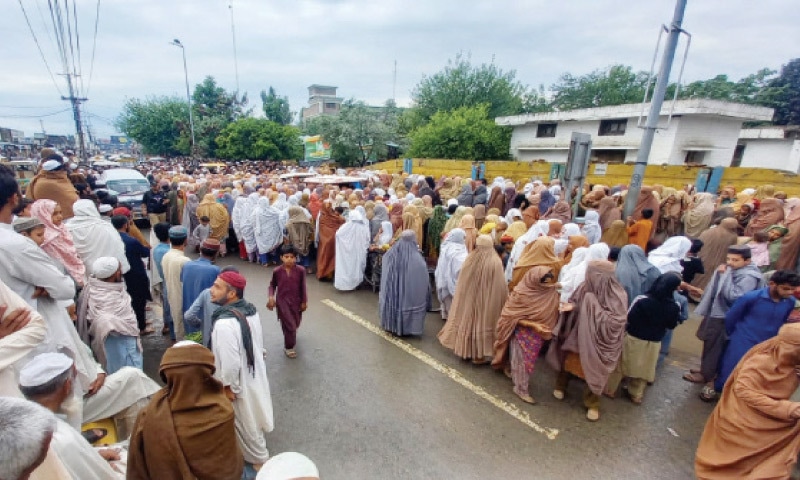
x=365, y=406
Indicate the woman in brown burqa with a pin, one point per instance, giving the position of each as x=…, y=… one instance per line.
x=790, y=245
x=540, y=252
x=647, y=200
x=187, y=430
x=587, y=342
x=616, y=235
x=526, y=322
x=609, y=212
x=497, y=199
x=480, y=295
x=559, y=211
x=754, y=432
x=769, y=213
x=715, y=248
x=329, y=222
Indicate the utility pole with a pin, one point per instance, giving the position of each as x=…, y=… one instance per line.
x=394, y=84
x=76, y=115
x=235, y=56
x=655, y=108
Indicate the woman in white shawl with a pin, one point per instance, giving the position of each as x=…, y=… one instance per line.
x=248, y=227
x=268, y=231
x=385, y=234
x=667, y=257
x=577, y=275
x=352, y=245
x=568, y=230
x=591, y=227
x=452, y=254
x=538, y=229
x=94, y=237
x=237, y=217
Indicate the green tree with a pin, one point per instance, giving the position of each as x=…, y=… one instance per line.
x=276, y=108
x=359, y=133
x=462, y=84
x=616, y=85
x=746, y=90
x=157, y=123
x=466, y=133
x=783, y=94
x=259, y=139
x=214, y=108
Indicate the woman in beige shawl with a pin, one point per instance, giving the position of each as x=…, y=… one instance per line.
x=669, y=224
x=480, y=295
x=300, y=233
x=754, y=432
x=540, y=252
x=220, y=219
x=790, y=245
x=588, y=340
x=769, y=213
x=526, y=322
x=609, y=212
x=616, y=235
x=698, y=218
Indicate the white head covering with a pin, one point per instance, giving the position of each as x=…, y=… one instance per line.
x=538, y=229
x=104, y=267
x=287, y=466
x=512, y=212
x=570, y=230
x=667, y=257
x=387, y=232
x=105, y=208
x=591, y=227
x=452, y=201
x=50, y=165
x=43, y=368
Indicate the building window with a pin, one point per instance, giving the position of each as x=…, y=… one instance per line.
x=607, y=156
x=331, y=106
x=738, y=154
x=612, y=127
x=546, y=130
x=694, y=157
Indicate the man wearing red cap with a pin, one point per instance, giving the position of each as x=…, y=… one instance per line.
x=237, y=343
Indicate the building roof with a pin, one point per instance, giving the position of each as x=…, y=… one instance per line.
x=697, y=106
x=768, y=133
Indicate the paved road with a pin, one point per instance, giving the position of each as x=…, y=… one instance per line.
x=362, y=405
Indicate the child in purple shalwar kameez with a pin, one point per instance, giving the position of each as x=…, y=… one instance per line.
x=291, y=298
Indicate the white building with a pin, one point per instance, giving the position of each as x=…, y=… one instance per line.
x=698, y=132
x=322, y=100
x=769, y=147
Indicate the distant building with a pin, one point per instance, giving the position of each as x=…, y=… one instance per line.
x=700, y=132
x=322, y=100
x=769, y=147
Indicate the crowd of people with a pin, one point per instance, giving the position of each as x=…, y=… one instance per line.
x=517, y=271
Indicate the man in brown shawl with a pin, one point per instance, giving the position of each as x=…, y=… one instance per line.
x=329, y=222
x=480, y=295
x=754, y=432
x=187, y=430
x=525, y=324
x=588, y=339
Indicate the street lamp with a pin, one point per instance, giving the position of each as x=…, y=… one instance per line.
x=178, y=43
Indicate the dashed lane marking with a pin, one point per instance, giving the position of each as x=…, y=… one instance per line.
x=451, y=373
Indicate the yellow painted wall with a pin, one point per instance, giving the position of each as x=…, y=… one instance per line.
x=669, y=176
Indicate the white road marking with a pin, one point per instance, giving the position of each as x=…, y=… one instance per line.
x=453, y=374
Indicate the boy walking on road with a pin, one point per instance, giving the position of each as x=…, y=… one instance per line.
x=287, y=292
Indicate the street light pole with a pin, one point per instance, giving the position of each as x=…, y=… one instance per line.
x=178, y=43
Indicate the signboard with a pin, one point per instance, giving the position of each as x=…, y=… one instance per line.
x=316, y=148
x=600, y=168
x=119, y=140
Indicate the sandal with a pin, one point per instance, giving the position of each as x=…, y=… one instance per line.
x=593, y=415
x=558, y=394
x=146, y=331
x=526, y=398
x=165, y=331
x=708, y=394
x=507, y=372
x=290, y=353
x=479, y=361
x=94, y=434
x=694, y=377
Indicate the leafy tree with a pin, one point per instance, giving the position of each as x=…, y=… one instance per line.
x=783, y=94
x=157, y=123
x=465, y=133
x=616, y=85
x=276, y=108
x=359, y=133
x=462, y=84
x=214, y=108
x=259, y=139
x=746, y=90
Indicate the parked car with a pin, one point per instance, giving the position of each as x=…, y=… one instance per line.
x=128, y=185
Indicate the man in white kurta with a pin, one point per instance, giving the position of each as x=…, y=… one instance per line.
x=172, y=266
x=233, y=340
x=352, y=244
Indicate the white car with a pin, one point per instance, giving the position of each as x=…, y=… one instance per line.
x=128, y=185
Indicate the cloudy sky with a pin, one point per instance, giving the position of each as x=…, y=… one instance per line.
x=353, y=44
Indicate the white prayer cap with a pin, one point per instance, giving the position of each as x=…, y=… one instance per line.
x=749, y=191
x=410, y=196
x=43, y=368
x=287, y=466
x=51, y=165
x=452, y=201
x=185, y=343
x=104, y=267
x=380, y=192
x=105, y=208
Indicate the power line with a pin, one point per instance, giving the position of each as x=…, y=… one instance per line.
x=36, y=116
x=94, y=46
x=39, y=47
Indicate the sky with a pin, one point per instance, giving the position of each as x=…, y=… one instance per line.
x=353, y=44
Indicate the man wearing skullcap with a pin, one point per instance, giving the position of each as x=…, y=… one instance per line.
x=48, y=380
x=53, y=183
x=237, y=343
x=136, y=280
x=289, y=466
x=106, y=306
x=187, y=430
x=198, y=275
x=172, y=266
